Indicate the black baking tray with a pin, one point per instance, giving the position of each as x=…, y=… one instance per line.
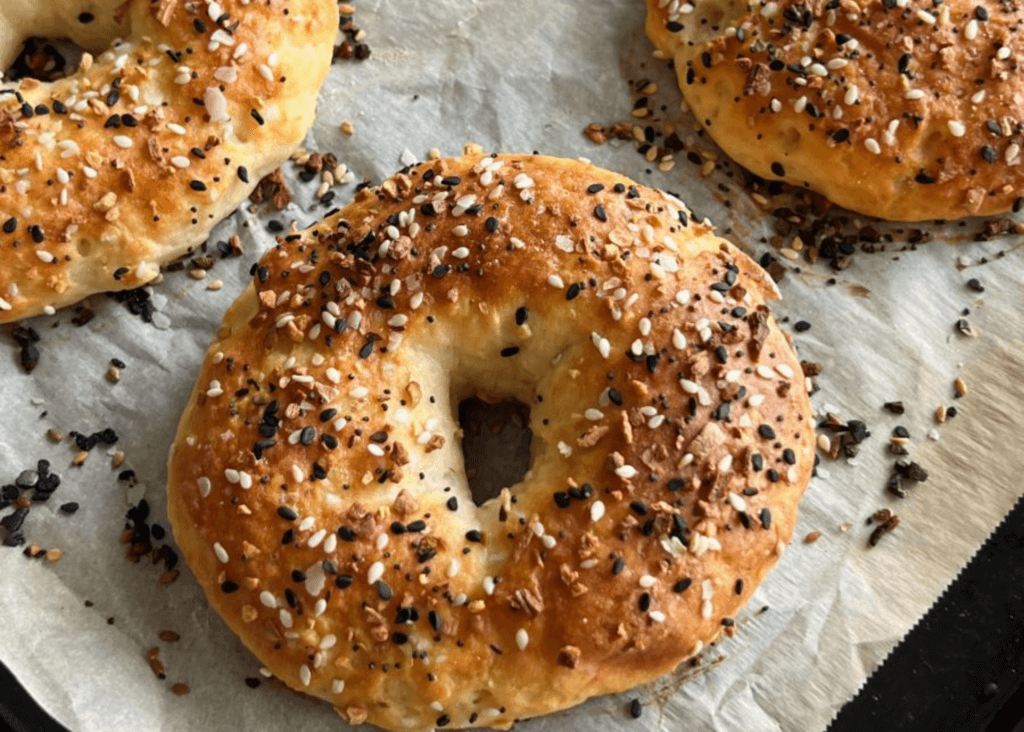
x=960, y=669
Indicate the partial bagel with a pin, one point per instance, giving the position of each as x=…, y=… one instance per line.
x=901, y=109
x=317, y=487
x=131, y=161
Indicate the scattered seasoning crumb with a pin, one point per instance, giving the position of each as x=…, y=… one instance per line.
x=812, y=537
x=169, y=636
x=347, y=127
x=180, y=689
x=113, y=374
x=894, y=407
x=960, y=387
x=118, y=459
x=54, y=555
x=54, y=435
x=80, y=458
x=252, y=682
x=635, y=709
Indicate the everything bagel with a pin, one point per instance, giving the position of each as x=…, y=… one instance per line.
x=131, y=161
x=318, y=491
x=901, y=109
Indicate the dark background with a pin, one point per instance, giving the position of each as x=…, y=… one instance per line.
x=960, y=669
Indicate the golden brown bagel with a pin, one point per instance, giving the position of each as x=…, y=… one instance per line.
x=131, y=161
x=317, y=488
x=900, y=109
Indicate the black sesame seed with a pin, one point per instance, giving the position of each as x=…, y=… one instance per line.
x=397, y=527
x=228, y=587
x=801, y=326
x=595, y=188
x=923, y=177
x=343, y=581
x=635, y=709
x=256, y=116
x=10, y=225
x=328, y=414
x=287, y=513
x=721, y=354
x=444, y=720
x=521, y=315
x=789, y=456
x=562, y=499
x=778, y=170
x=676, y=484
x=243, y=174
x=980, y=13
x=346, y=533
x=307, y=435
x=441, y=270
x=474, y=536
x=574, y=290
x=69, y=508
x=682, y=585
x=197, y=185
x=491, y=224
x=509, y=351
x=739, y=587
x=399, y=639
x=618, y=565
x=639, y=507
x=615, y=397
x=766, y=518
x=37, y=234
x=645, y=602
x=988, y=154
x=674, y=26
x=416, y=527
x=298, y=575
x=599, y=212
x=766, y=432
x=366, y=350
x=383, y=590
x=452, y=504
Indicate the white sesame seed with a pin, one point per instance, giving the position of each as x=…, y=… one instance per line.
x=1003, y=53
x=461, y=230
x=872, y=145
x=316, y=539
x=44, y=256
x=454, y=567
x=305, y=676
x=914, y=94
x=737, y=502
x=268, y=600
x=818, y=70
x=297, y=474
x=971, y=30
x=338, y=686
x=706, y=609
x=837, y=63
x=221, y=552
x=657, y=616
x=556, y=281
x=461, y=253
x=927, y=17
x=725, y=464
x=596, y=510
x=852, y=95
x=204, y=486
x=775, y=105
x=690, y=387
x=564, y=243
x=799, y=105
x=647, y=581
x=784, y=369
x=957, y=129
x=180, y=161
x=626, y=471
x=375, y=572
x=522, y=639
x=231, y=475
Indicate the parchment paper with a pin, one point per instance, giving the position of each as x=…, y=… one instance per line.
x=523, y=76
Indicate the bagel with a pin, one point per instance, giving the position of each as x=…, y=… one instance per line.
x=317, y=489
x=901, y=109
x=89, y=23
x=131, y=161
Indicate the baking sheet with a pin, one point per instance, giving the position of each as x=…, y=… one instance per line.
x=520, y=77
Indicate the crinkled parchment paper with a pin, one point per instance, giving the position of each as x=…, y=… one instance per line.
x=523, y=76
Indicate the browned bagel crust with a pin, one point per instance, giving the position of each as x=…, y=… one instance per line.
x=130, y=162
x=929, y=97
x=642, y=444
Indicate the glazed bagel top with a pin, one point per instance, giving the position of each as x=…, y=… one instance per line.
x=132, y=160
x=318, y=491
x=902, y=109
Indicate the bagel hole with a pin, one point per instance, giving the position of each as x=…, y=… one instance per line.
x=495, y=445
x=44, y=59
